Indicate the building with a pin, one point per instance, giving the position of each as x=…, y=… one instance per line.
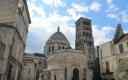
x=63, y=62
x=32, y=66
x=111, y=52
x=84, y=38
x=14, y=22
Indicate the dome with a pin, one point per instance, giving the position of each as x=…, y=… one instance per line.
x=58, y=36
x=56, y=42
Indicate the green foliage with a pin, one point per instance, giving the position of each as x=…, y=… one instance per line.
x=122, y=69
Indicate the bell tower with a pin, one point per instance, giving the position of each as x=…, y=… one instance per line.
x=84, y=35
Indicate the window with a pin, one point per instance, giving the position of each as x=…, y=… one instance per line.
x=83, y=33
x=2, y=49
x=121, y=48
x=86, y=23
x=107, y=67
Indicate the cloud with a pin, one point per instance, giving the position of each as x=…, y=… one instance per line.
x=54, y=3
x=113, y=16
x=45, y=24
x=35, y=10
x=76, y=10
x=125, y=16
x=113, y=12
x=42, y=28
x=95, y=6
x=101, y=35
x=79, y=9
x=109, y=1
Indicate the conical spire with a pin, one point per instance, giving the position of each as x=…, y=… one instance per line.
x=58, y=29
x=119, y=32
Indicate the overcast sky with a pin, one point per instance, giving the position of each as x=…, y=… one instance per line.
x=47, y=15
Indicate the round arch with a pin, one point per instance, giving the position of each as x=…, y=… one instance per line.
x=75, y=74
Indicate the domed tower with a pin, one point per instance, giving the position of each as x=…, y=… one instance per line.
x=57, y=41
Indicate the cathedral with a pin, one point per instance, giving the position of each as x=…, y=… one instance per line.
x=60, y=61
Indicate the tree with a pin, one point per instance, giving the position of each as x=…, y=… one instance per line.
x=122, y=69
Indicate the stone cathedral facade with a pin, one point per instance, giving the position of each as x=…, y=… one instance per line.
x=60, y=61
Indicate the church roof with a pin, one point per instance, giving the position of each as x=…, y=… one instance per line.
x=58, y=36
x=122, y=38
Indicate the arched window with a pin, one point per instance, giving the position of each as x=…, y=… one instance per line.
x=75, y=74
x=63, y=47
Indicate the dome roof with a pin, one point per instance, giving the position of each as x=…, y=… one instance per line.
x=58, y=36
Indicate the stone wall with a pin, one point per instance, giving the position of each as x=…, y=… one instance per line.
x=69, y=59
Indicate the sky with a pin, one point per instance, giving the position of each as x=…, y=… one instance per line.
x=47, y=15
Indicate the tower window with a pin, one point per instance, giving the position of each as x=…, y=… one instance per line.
x=86, y=23
x=83, y=33
x=63, y=47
